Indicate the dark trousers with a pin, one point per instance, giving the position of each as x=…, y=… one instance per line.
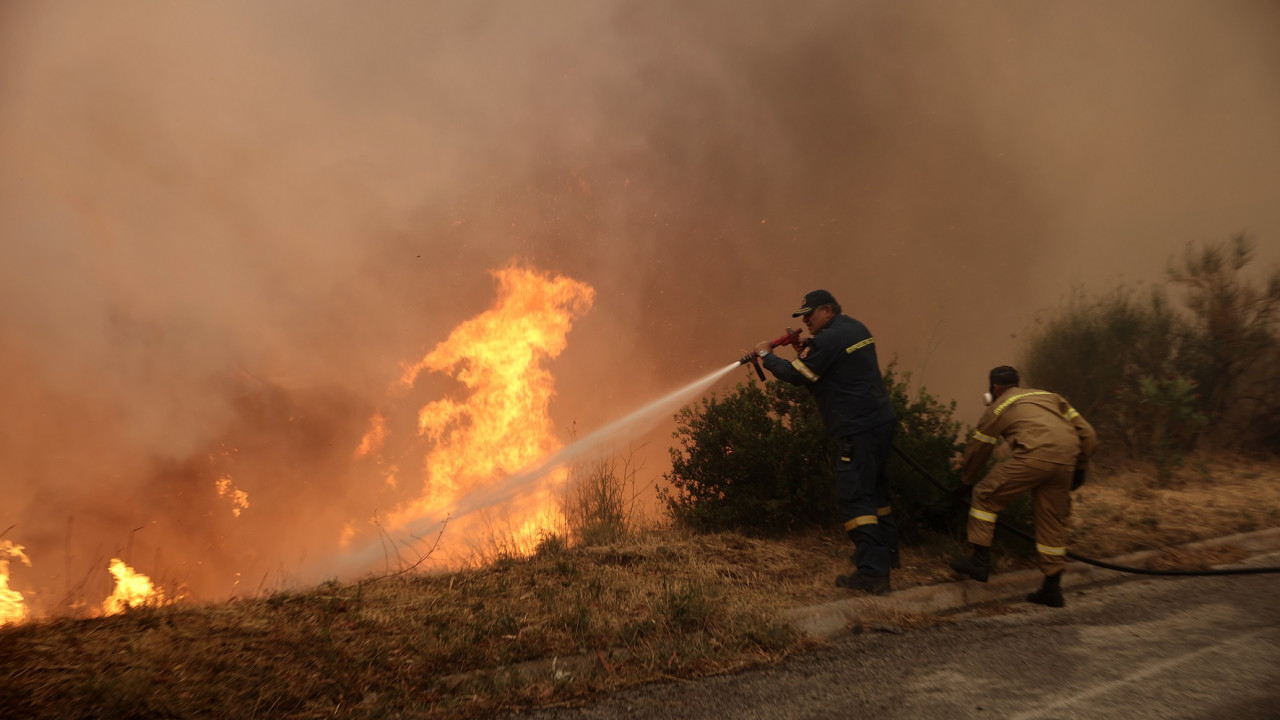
x=862, y=497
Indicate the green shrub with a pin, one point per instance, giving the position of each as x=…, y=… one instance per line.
x=1230, y=347
x=1160, y=419
x=928, y=434
x=1094, y=352
x=758, y=460
x=1150, y=376
x=1263, y=431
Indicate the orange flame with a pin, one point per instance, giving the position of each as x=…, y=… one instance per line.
x=239, y=498
x=133, y=589
x=374, y=438
x=12, y=608
x=503, y=425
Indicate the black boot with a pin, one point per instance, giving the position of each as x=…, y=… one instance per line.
x=1050, y=592
x=862, y=582
x=895, y=559
x=978, y=566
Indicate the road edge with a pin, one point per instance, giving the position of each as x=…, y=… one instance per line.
x=832, y=619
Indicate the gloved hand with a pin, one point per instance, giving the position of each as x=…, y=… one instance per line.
x=1077, y=478
x=960, y=494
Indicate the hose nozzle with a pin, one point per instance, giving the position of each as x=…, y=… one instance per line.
x=791, y=337
x=754, y=360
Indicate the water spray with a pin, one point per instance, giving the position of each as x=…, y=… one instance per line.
x=513, y=486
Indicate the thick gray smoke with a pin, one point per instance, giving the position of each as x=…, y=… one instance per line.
x=224, y=226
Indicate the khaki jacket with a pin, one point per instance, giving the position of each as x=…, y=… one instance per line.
x=1041, y=427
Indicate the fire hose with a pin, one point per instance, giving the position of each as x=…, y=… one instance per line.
x=792, y=337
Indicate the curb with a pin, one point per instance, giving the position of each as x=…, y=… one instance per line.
x=833, y=619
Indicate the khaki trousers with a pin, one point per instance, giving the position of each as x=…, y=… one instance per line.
x=1050, y=486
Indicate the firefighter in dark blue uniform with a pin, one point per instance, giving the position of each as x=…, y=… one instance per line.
x=838, y=365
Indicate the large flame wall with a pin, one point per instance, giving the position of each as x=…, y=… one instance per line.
x=503, y=423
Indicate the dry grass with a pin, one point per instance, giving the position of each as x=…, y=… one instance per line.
x=658, y=605
x=1126, y=510
x=553, y=628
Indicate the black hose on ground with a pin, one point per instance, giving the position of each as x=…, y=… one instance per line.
x=1090, y=561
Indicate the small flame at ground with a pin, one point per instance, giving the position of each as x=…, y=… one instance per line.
x=12, y=607
x=133, y=589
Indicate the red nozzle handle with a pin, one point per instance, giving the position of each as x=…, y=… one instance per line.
x=792, y=337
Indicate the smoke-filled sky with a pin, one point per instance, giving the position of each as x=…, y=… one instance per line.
x=225, y=226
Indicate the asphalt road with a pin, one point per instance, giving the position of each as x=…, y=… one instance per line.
x=1143, y=648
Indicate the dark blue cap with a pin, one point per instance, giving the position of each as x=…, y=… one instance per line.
x=812, y=300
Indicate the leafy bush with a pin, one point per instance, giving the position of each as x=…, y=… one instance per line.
x=755, y=460
x=759, y=460
x=1159, y=419
x=1264, y=429
x=1094, y=352
x=1151, y=377
x=927, y=433
x=1231, y=343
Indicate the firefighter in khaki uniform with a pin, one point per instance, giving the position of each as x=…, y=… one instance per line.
x=1051, y=444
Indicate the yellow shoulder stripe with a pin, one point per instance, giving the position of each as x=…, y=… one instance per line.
x=859, y=345
x=1005, y=405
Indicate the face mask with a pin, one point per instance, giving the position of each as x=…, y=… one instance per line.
x=987, y=397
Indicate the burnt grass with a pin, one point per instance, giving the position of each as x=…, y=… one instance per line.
x=557, y=627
